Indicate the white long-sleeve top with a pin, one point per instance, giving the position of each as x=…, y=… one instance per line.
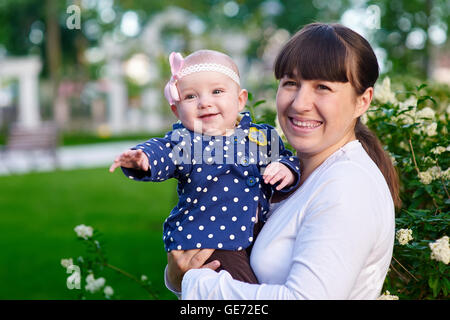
x=332, y=239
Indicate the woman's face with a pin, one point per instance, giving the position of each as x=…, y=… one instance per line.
x=318, y=117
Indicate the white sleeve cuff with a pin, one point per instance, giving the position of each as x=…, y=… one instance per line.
x=169, y=285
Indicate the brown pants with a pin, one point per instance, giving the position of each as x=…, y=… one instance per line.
x=237, y=263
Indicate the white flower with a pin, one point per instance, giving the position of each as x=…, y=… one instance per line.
x=364, y=118
x=446, y=174
x=108, y=291
x=93, y=285
x=431, y=129
x=83, y=231
x=425, y=177
x=425, y=114
x=435, y=172
x=404, y=236
x=394, y=161
x=383, y=92
x=439, y=150
x=387, y=296
x=66, y=262
x=410, y=102
x=409, y=114
x=403, y=146
x=440, y=250
x=144, y=278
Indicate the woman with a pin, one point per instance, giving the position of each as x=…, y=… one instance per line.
x=333, y=237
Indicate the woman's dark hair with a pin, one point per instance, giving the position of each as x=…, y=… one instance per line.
x=333, y=52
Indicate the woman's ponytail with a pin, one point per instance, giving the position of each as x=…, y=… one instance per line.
x=374, y=149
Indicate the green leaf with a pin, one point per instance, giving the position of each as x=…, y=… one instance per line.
x=418, y=192
x=433, y=282
x=423, y=85
x=259, y=102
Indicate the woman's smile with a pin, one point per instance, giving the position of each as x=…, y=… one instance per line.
x=304, y=125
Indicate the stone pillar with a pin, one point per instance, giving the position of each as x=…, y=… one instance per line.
x=117, y=96
x=27, y=70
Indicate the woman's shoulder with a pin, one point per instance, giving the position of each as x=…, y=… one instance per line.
x=352, y=166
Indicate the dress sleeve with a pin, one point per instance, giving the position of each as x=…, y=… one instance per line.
x=160, y=154
x=286, y=158
x=332, y=244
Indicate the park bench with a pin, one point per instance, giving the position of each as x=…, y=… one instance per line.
x=44, y=137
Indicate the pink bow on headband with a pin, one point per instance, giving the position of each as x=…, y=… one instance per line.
x=170, y=91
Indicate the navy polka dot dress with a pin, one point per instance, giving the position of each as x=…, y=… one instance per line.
x=219, y=182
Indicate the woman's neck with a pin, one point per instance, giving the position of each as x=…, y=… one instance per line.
x=310, y=162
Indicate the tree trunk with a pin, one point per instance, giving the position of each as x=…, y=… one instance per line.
x=53, y=47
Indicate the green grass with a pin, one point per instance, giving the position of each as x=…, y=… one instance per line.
x=39, y=211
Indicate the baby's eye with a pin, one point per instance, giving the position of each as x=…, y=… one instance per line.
x=217, y=91
x=189, y=96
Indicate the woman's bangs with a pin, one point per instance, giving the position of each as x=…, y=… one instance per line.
x=316, y=54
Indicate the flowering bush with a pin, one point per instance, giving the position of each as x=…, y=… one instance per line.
x=413, y=127
x=93, y=264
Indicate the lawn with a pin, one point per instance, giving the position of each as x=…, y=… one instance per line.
x=39, y=211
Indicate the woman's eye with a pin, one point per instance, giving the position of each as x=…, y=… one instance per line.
x=289, y=83
x=323, y=87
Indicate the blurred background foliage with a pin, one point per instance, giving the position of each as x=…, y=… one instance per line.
x=409, y=29
x=409, y=37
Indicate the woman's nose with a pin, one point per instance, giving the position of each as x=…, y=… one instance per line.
x=303, y=100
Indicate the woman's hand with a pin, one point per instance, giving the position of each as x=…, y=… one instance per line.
x=180, y=261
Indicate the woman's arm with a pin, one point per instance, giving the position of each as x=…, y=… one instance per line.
x=332, y=243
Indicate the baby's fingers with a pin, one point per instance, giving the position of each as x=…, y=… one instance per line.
x=270, y=171
x=114, y=166
x=276, y=177
x=284, y=182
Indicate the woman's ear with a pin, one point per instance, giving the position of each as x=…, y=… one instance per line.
x=363, y=102
x=174, y=110
x=243, y=97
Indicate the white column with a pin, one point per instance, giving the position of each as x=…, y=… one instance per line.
x=117, y=96
x=27, y=70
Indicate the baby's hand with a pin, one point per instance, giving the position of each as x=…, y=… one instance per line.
x=278, y=172
x=134, y=159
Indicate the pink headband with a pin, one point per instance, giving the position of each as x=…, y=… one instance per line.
x=176, y=66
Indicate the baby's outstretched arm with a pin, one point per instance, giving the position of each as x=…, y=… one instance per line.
x=133, y=159
x=278, y=172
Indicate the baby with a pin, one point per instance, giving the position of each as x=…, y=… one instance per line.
x=217, y=155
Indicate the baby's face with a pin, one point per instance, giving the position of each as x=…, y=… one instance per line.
x=209, y=102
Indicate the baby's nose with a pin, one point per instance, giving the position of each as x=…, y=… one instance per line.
x=204, y=102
